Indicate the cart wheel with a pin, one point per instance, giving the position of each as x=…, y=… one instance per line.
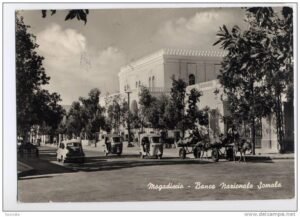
x=197, y=152
x=215, y=155
x=182, y=153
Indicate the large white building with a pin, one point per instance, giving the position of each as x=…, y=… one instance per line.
x=199, y=69
x=156, y=70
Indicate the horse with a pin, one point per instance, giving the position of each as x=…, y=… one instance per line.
x=241, y=146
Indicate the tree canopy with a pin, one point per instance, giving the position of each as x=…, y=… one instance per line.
x=81, y=15
x=35, y=105
x=92, y=113
x=258, y=69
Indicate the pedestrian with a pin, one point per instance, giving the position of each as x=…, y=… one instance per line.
x=107, y=143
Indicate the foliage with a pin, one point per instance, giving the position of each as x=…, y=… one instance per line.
x=258, y=68
x=79, y=14
x=146, y=101
x=192, y=112
x=162, y=103
x=35, y=106
x=168, y=112
x=92, y=113
x=117, y=113
x=75, y=120
x=155, y=111
x=48, y=111
x=178, y=92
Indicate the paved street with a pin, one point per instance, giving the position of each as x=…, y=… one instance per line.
x=129, y=178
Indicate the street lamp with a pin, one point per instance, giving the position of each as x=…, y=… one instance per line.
x=128, y=121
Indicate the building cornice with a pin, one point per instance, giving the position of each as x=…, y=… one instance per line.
x=190, y=52
x=170, y=52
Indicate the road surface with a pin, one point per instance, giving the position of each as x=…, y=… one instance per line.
x=129, y=178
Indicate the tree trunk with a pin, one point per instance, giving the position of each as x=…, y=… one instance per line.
x=253, y=119
x=253, y=135
x=279, y=124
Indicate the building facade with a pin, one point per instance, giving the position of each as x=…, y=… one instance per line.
x=199, y=69
x=155, y=71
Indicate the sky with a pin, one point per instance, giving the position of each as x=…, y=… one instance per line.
x=79, y=57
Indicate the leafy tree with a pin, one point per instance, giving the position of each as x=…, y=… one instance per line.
x=257, y=70
x=117, y=113
x=75, y=121
x=193, y=113
x=162, y=104
x=153, y=110
x=278, y=58
x=178, y=92
x=48, y=111
x=241, y=76
x=169, y=115
x=113, y=112
x=92, y=113
x=164, y=112
x=35, y=106
x=79, y=14
x=146, y=101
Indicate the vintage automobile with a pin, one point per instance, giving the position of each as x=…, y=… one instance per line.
x=27, y=148
x=151, y=146
x=113, y=145
x=70, y=151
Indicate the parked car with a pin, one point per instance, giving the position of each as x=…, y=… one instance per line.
x=28, y=148
x=70, y=151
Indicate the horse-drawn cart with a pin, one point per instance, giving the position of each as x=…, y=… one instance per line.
x=188, y=146
x=222, y=151
x=192, y=145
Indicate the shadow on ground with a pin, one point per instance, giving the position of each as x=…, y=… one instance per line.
x=46, y=164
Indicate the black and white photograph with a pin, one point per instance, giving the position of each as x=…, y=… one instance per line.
x=148, y=104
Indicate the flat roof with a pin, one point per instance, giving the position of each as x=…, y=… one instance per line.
x=172, y=52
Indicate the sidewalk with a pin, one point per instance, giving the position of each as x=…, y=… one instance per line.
x=277, y=155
